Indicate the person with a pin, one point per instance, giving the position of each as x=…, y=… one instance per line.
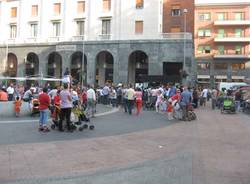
x=113, y=97
x=66, y=106
x=186, y=98
x=28, y=95
x=195, y=98
x=10, y=91
x=44, y=103
x=138, y=100
x=84, y=98
x=91, y=100
x=3, y=95
x=17, y=106
x=105, y=92
x=130, y=98
x=158, y=101
x=66, y=76
x=214, y=96
x=119, y=94
x=204, y=96
x=238, y=99
x=56, y=104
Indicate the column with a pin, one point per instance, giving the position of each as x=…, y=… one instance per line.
x=91, y=67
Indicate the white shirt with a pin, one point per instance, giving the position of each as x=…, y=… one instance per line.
x=91, y=94
x=204, y=93
x=10, y=90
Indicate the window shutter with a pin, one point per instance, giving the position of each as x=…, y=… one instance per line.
x=57, y=8
x=138, y=27
x=13, y=12
x=34, y=10
x=80, y=7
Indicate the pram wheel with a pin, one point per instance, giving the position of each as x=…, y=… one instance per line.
x=81, y=129
x=53, y=126
x=85, y=126
x=91, y=127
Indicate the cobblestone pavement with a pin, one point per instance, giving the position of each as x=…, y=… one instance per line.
x=214, y=149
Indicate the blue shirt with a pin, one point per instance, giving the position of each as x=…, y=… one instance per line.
x=186, y=97
x=172, y=91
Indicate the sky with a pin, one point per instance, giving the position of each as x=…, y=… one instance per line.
x=221, y=1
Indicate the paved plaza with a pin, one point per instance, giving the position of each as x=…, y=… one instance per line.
x=127, y=149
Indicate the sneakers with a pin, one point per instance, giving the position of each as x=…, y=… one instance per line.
x=43, y=129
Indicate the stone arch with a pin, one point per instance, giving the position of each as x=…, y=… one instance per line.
x=54, y=65
x=78, y=70
x=31, y=65
x=12, y=64
x=104, y=67
x=138, y=67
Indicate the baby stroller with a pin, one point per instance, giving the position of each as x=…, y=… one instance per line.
x=35, y=107
x=228, y=105
x=78, y=115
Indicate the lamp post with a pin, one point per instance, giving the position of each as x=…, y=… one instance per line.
x=185, y=11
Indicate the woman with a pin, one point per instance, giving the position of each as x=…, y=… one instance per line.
x=138, y=100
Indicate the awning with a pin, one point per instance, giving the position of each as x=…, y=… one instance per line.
x=203, y=76
x=238, y=77
x=221, y=77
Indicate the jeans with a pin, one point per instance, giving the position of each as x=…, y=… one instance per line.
x=214, y=101
x=237, y=105
x=65, y=113
x=130, y=106
x=90, y=107
x=44, y=114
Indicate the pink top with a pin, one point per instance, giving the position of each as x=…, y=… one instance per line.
x=138, y=95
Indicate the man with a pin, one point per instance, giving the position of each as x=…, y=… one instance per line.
x=131, y=98
x=214, y=96
x=105, y=92
x=3, y=95
x=66, y=106
x=91, y=100
x=10, y=91
x=44, y=102
x=186, y=99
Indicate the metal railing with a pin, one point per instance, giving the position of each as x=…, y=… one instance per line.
x=187, y=36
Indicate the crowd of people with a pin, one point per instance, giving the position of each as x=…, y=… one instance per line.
x=132, y=99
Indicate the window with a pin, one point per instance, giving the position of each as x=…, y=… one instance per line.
x=80, y=28
x=238, y=33
x=56, y=28
x=239, y=16
x=57, y=8
x=34, y=10
x=106, y=27
x=200, y=33
x=221, y=33
x=176, y=10
x=175, y=30
x=207, y=49
x=80, y=7
x=13, y=12
x=221, y=49
x=207, y=32
x=221, y=16
x=34, y=28
x=238, y=49
x=138, y=27
x=139, y=4
x=204, y=16
x=220, y=66
x=106, y=5
x=200, y=50
x=204, y=32
x=203, y=66
x=238, y=66
x=13, y=31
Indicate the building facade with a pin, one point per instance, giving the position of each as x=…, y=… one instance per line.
x=98, y=40
x=222, y=41
x=178, y=16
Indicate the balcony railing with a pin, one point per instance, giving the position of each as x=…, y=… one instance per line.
x=187, y=36
x=78, y=38
x=231, y=55
x=231, y=22
x=227, y=38
x=55, y=39
x=105, y=37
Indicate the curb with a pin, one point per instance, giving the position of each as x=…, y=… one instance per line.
x=114, y=110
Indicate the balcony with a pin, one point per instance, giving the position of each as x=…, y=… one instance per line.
x=55, y=39
x=187, y=36
x=231, y=22
x=78, y=38
x=232, y=55
x=232, y=39
x=105, y=37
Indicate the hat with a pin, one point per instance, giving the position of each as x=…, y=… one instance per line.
x=119, y=85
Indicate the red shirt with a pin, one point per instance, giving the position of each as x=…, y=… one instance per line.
x=44, y=101
x=84, y=97
x=57, y=100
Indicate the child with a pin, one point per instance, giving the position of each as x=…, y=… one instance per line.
x=17, y=104
x=170, y=110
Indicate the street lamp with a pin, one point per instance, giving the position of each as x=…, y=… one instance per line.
x=185, y=11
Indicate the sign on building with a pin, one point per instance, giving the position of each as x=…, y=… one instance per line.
x=65, y=48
